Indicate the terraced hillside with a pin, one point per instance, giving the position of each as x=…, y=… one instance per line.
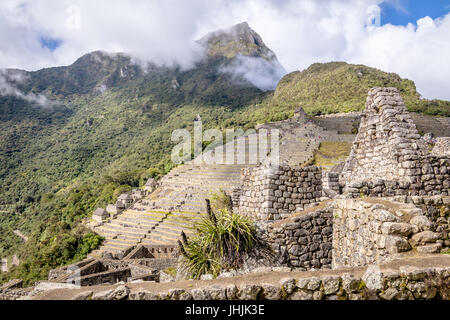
x=179, y=200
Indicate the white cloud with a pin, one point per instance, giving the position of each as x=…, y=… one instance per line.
x=420, y=53
x=262, y=73
x=300, y=32
x=8, y=82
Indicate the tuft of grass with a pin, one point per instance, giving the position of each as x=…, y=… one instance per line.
x=171, y=271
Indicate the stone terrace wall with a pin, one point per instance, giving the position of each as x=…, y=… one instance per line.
x=304, y=242
x=352, y=233
x=437, y=210
x=273, y=193
x=410, y=284
x=388, y=157
x=367, y=232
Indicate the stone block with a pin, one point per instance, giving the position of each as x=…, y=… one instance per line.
x=395, y=228
x=395, y=244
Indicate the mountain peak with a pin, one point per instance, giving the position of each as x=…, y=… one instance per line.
x=238, y=39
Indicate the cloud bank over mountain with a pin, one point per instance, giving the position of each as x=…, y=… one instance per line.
x=45, y=33
x=263, y=74
x=8, y=87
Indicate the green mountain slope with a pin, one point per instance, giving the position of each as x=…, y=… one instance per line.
x=341, y=87
x=109, y=128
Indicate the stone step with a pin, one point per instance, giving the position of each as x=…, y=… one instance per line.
x=183, y=224
x=142, y=219
x=216, y=186
x=162, y=240
x=173, y=229
x=226, y=169
x=123, y=234
x=121, y=242
x=180, y=202
x=168, y=204
x=130, y=237
x=152, y=242
x=116, y=247
x=207, y=170
x=213, y=176
x=188, y=217
x=182, y=198
x=148, y=214
x=141, y=222
x=126, y=228
x=172, y=235
x=212, y=186
x=223, y=169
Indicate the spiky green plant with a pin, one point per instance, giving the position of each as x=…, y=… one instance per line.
x=222, y=242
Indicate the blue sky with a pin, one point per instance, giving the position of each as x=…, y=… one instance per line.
x=402, y=12
x=50, y=43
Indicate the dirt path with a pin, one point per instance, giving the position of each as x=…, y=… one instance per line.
x=269, y=278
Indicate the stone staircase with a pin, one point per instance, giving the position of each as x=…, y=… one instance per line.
x=127, y=230
x=179, y=200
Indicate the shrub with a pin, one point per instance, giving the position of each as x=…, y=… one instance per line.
x=222, y=242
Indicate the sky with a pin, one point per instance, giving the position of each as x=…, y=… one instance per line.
x=402, y=12
x=407, y=37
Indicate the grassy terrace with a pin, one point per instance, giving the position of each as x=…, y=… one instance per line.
x=331, y=153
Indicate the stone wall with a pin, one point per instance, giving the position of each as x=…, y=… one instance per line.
x=413, y=283
x=140, y=262
x=433, y=178
x=330, y=182
x=14, y=294
x=159, y=264
x=99, y=271
x=105, y=277
x=388, y=157
x=437, y=210
x=273, y=193
x=157, y=252
x=386, y=139
x=304, y=242
x=371, y=232
x=64, y=272
x=354, y=232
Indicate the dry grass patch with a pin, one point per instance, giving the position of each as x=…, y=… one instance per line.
x=331, y=153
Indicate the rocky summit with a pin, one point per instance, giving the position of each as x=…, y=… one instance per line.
x=239, y=39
